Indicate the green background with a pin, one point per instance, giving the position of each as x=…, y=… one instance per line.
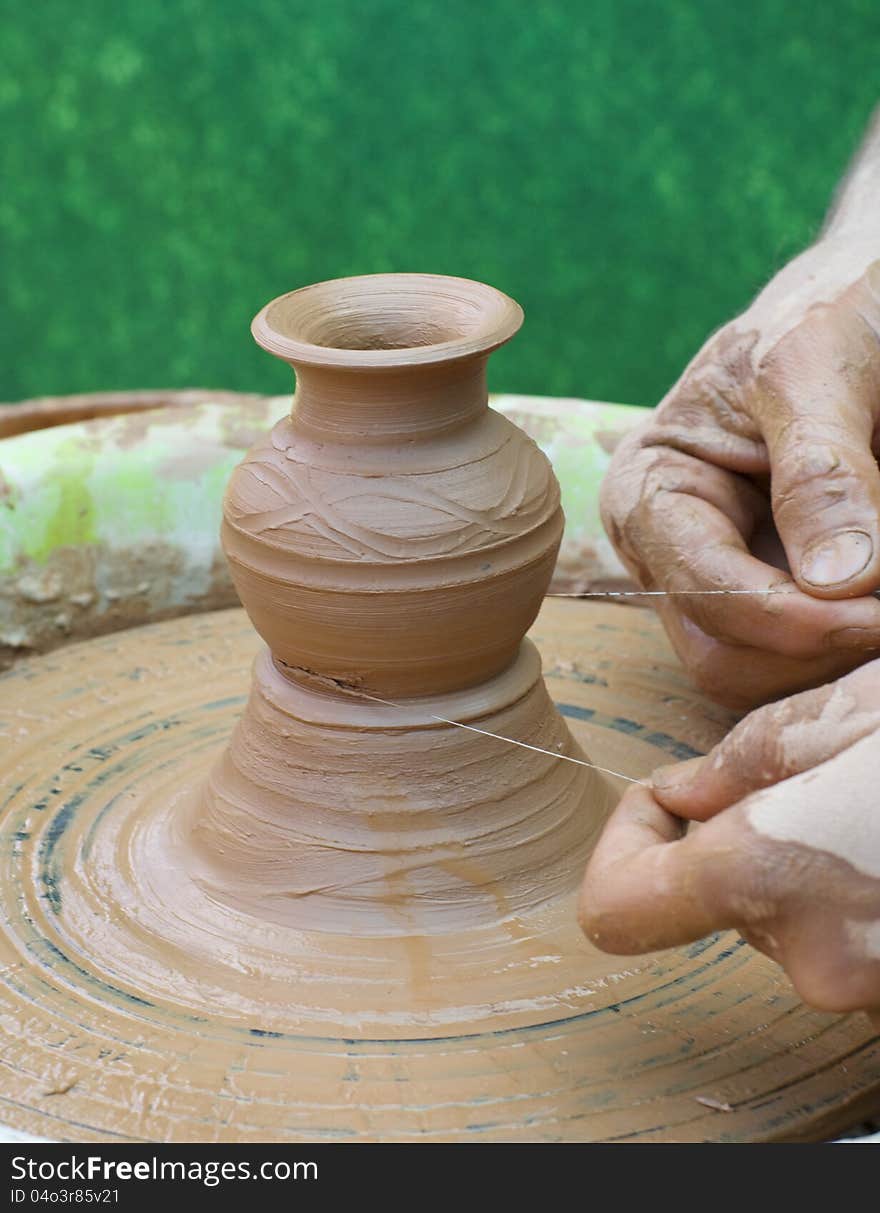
x=631, y=172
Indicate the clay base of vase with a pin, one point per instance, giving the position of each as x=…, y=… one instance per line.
x=134, y=1006
x=333, y=812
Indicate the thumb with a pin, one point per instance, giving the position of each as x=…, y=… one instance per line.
x=646, y=887
x=821, y=398
x=771, y=744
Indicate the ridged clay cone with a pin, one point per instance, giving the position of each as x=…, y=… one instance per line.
x=395, y=537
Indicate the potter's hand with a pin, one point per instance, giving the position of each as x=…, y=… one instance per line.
x=789, y=853
x=789, y=391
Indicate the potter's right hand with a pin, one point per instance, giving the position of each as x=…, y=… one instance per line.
x=787, y=852
x=762, y=460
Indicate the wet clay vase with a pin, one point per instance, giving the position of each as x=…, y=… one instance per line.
x=392, y=541
x=394, y=532
x=325, y=912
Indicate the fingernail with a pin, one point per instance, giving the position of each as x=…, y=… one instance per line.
x=676, y=775
x=867, y=640
x=832, y=561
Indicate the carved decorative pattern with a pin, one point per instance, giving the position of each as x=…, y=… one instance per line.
x=395, y=517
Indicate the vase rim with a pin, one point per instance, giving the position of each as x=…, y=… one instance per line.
x=386, y=321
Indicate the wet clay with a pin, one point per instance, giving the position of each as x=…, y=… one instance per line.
x=337, y=813
x=392, y=538
x=164, y=1014
x=394, y=532
x=354, y=921
x=825, y=822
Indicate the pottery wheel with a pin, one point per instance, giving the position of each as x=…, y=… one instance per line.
x=127, y=1015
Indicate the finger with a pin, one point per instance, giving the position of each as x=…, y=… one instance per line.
x=772, y=744
x=741, y=676
x=645, y=468
x=691, y=528
x=828, y=965
x=703, y=415
x=645, y=886
x=817, y=420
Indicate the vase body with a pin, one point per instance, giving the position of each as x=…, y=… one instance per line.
x=392, y=540
x=394, y=533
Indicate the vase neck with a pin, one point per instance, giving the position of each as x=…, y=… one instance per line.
x=392, y=405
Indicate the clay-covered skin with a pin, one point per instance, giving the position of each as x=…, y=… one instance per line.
x=759, y=470
x=789, y=854
x=393, y=533
x=331, y=812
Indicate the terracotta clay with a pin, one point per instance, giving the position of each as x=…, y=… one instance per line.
x=394, y=538
x=357, y=920
x=394, y=532
x=335, y=813
x=134, y=1006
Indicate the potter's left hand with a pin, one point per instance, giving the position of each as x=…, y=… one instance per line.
x=769, y=441
x=789, y=852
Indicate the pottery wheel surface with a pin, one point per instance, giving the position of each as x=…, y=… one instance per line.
x=127, y=1015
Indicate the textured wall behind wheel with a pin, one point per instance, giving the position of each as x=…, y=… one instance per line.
x=108, y=523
